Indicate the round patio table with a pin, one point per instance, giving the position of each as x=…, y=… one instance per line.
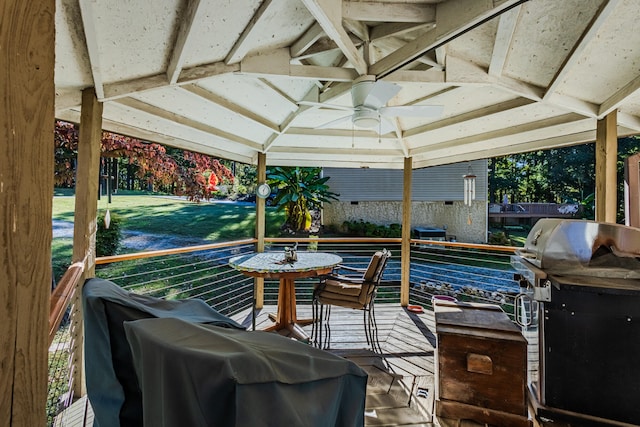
x=271, y=265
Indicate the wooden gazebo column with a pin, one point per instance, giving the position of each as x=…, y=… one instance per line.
x=27, y=97
x=632, y=190
x=606, y=172
x=260, y=228
x=405, y=251
x=86, y=212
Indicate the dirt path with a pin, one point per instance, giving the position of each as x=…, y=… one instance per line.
x=135, y=240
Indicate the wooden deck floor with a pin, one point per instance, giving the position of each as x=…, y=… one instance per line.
x=400, y=390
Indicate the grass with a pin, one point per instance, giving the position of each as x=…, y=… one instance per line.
x=147, y=213
x=164, y=215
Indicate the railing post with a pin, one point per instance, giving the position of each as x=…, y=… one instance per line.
x=632, y=190
x=260, y=228
x=406, y=232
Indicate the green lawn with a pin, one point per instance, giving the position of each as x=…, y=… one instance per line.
x=164, y=215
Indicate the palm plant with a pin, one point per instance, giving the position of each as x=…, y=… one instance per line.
x=299, y=190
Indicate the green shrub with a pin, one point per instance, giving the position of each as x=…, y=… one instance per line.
x=108, y=239
x=499, y=238
x=367, y=229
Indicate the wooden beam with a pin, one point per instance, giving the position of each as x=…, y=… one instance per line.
x=258, y=282
x=397, y=29
x=405, y=256
x=606, y=170
x=185, y=33
x=452, y=20
x=308, y=39
x=632, y=190
x=504, y=37
x=551, y=126
x=242, y=45
x=185, y=121
x=480, y=150
x=481, y=113
x=388, y=12
x=27, y=34
x=328, y=13
x=89, y=21
x=231, y=106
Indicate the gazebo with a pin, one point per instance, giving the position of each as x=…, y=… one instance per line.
x=342, y=83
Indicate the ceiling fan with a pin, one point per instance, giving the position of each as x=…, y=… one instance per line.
x=369, y=111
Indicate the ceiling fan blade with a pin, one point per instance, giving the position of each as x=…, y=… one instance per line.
x=380, y=93
x=334, y=122
x=321, y=105
x=412, y=111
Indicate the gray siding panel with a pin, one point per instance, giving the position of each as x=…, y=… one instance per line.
x=437, y=183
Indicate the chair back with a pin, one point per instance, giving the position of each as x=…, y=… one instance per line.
x=376, y=266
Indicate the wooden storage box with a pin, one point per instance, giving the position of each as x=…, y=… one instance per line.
x=481, y=367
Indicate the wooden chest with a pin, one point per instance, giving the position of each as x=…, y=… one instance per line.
x=481, y=367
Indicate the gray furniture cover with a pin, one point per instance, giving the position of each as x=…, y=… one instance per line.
x=112, y=385
x=202, y=375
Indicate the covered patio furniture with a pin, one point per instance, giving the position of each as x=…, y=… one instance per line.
x=351, y=291
x=112, y=385
x=204, y=375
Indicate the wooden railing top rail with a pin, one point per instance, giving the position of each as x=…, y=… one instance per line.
x=62, y=295
x=172, y=251
x=334, y=239
x=481, y=246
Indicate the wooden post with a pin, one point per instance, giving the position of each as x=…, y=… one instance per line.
x=632, y=190
x=260, y=228
x=406, y=232
x=26, y=192
x=87, y=176
x=85, y=225
x=606, y=172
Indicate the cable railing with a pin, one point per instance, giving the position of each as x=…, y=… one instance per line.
x=467, y=272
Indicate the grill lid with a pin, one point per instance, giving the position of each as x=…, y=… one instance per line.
x=578, y=247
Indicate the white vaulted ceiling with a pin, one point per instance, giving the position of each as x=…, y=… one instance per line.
x=227, y=77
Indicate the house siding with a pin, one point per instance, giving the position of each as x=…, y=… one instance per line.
x=375, y=195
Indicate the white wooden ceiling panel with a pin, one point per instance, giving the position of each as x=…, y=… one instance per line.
x=540, y=77
x=135, y=38
x=535, y=56
x=611, y=61
x=218, y=17
x=251, y=94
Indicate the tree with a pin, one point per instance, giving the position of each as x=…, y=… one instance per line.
x=299, y=190
x=183, y=172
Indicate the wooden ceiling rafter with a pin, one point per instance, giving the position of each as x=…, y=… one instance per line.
x=163, y=114
x=450, y=24
x=230, y=106
x=183, y=39
x=504, y=37
x=517, y=131
x=91, y=40
x=242, y=46
x=328, y=13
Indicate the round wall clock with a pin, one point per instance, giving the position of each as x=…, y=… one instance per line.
x=263, y=191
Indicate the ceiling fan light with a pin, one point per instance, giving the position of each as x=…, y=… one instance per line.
x=366, y=119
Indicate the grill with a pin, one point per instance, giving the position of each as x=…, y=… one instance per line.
x=582, y=281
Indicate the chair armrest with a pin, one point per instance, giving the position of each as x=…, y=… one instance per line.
x=346, y=267
x=342, y=278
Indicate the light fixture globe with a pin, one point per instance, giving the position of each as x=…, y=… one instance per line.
x=366, y=119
